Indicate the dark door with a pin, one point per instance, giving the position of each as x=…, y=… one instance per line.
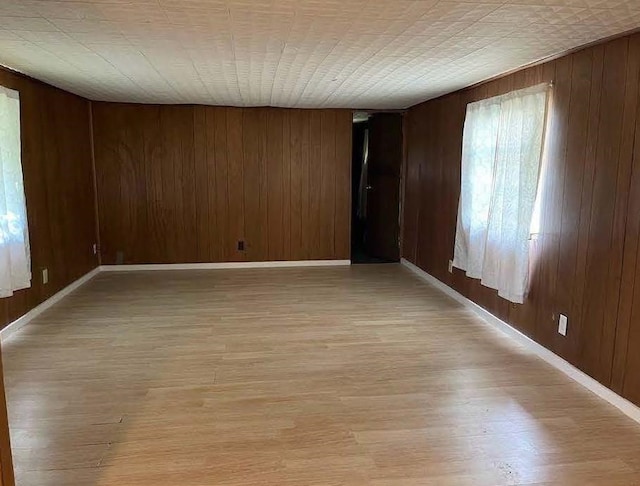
x=383, y=186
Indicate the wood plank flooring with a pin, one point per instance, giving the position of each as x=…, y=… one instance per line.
x=314, y=376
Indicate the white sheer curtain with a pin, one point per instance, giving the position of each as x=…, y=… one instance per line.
x=501, y=156
x=15, y=260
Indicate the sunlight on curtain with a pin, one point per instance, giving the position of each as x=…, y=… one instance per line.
x=15, y=260
x=501, y=156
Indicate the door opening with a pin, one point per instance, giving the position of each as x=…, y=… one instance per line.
x=377, y=163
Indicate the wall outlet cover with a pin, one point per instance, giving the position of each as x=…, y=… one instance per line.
x=450, y=266
x=563, y=322
x=45, y=276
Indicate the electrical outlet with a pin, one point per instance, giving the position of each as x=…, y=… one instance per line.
x=563, y=322
x=45, y=276
x=450, y=266
x=95, y=248
x=241, y=245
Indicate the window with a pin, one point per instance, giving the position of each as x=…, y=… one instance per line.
x=501, y=157
x=15, y=261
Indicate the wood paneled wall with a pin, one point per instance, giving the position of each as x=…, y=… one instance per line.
x=180, y=184
x=585, y=262
x=58, y=182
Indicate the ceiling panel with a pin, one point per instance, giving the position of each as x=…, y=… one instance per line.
x=382, y=54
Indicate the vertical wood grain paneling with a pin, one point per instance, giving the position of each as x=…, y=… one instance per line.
x=630, y=364
x=586, y=202
x=585, y=260
x=201, y=155
x=596, y=352
x=153, y=154
x=568, y=239
x=58, y=180
x=205, y=144
x=411, y=202
x=276, y=168
x=342, y=168
x=254, y=140
x=299, y=195
x=314, y=225
x=58, y=183
x=628, y=324
x=187, y=183
x=186, y=173
x=235, y=183
x=224, y=241
x=286, y=185
x=297, y=190
x=327, y=183
x=622, y=215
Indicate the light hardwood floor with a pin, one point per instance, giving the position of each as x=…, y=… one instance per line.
x=313, y=376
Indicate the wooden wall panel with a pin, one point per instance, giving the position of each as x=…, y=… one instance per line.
x=585, y=259
x=314, y=226
x=603, y=252
x=299, y=195
x=626, y=362
x=254, y=143
x=277, y=167
x=568, y=239
x=216, y=131
x=342, y=169
x=235, y=185
x=327, y=183
x=201, y=154
x=58, y=182
x=187, y=183
x=415, y=131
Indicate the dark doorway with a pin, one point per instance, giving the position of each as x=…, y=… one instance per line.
x=377, y=162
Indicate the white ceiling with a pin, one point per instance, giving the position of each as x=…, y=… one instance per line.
x=295, y=53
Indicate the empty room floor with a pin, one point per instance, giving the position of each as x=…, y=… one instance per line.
x=361, y=375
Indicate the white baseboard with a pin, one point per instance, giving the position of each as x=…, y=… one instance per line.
x=20, y=322
x=223, y=265
x=624, y=405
